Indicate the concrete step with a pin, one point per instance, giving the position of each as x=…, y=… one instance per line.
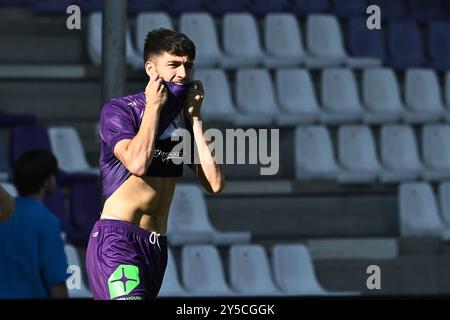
x=307, y=216
x=53, y=101
x=357, y=248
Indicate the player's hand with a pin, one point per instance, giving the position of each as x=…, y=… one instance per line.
x=194, y=99
x=7, y=206
x=156, y=92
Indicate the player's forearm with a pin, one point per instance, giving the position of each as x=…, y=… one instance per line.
x=213, y=172
x=139, y=151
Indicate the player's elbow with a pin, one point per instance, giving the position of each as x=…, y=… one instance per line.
x=138, y=168
x=218, y=186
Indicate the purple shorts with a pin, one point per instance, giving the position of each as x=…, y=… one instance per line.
x=125, y=262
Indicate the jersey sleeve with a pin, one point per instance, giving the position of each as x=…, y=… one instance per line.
x=116, y=123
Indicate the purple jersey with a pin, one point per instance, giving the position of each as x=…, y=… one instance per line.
x=121, y=118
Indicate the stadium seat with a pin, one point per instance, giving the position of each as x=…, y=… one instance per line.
x=282, y=40
x=241, y=41
x=68, y=150
x=296, y=97
x=24, y=138
x=203, y=272
x=189, y=222
x=147, y=21
x=16, y=119
x=425, y=11
x=255, y=97
x=294, y=272
x=365, y=46
x=10, y=188
x=404, y=45
x=222, y=7
x=94, y=39
x=357, y=155
x=436, y=151
x=303, y=8
x=423, y=96
x=200, y=28
x=439, y=45
x=399, y=154
x=171, y=286
x=265, y=7
x=250, y=272
x=340, y=99
x=348, y=8
x=177, y=7
x=140, y=6
x=324, y=42
x=391, y=9
x=218, y=103
x=419, y=213
x=85, y=206
x=87, y=6
x=381, y=96
x=73, y=260
x=15, y=3
x=444, y=202
x=51, y=6
x=314, y=154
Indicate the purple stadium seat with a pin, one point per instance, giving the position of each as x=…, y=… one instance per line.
x=404, y=45
x=391, y=9
x=263, y=7
x=85, y=205
x=11, y=119
x=88, y=6
x=349, y=8
x=51, y=6
x=439, y=45
x=177, y=7
x=78, y=236
x=425, y=11
x=304, y=7
x=136, y=6
x=220, y=7
x=24, y=138
x=363, y=42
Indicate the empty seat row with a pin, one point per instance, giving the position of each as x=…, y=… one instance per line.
x=359, y=160
x=291, y=97
x=251, y=273
x=392, y=9
x=281, y=42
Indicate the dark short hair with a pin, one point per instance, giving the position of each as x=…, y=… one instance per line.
x=163, y=40
x=32, y=168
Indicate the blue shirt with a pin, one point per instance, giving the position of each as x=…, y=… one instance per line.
x=32, y=257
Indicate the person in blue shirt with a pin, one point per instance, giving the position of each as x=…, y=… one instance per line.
x=33, y=264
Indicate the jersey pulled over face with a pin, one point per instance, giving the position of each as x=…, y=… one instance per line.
x=121, y=118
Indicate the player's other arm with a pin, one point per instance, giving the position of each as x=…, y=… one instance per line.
x=136, y=154
x=208, y=171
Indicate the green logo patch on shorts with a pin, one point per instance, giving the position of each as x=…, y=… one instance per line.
x=123, y=280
